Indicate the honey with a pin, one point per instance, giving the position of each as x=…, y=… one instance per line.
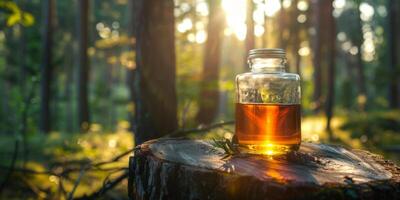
x=268, y=127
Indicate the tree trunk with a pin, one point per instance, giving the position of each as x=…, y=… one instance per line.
x=130, y=71
x=209, y=90
x=296, y=37
x=194, y=169
x=250, y=38
x=281, y=25
x=68, y=93
x=297, y=57
x=331, y=55
x=154, y=87
x=362, y=90
x=347, y=90
x=316, y=59
x=47, y=67
x=83, y=73
x=394, y=48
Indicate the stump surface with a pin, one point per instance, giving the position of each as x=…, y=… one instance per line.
x=194, y=169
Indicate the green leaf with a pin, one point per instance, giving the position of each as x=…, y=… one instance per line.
x=13, y=19
x=16, y=15
x=28, y=19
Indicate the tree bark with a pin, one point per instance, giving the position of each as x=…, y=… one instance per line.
x=194, y=169
x=209, y=89
x=316, y=59
x=83, y=73
x=154, y=87
x=47, y=67
x=331, y=56
x=394, y=48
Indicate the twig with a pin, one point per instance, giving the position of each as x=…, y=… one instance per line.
x=105, y=188
x=110, y=184
x=35, y=189
x=226, y=145
x=179, y=133
x=30, y=171
x=115, y=159
x=184, y=112
x=88, y=166
x=61, y=189
x=107, y=179
x=78, y=180
x=12, y=166
x=97, y=165
x=64, y=172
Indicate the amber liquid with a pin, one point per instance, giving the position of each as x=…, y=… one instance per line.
x=268, y=125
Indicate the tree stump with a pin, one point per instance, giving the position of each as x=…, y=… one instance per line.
x=195, y=169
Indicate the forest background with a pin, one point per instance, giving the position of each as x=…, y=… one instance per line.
x=69, y=71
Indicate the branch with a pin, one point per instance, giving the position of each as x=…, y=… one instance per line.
x=62, y=174
x=78, y=180
x=184, y=112
x=61, y=189
x=12, y=166
x=179, y=133
x=105, y=187
x=30, y=171
x=111, y=184
x=115, y=159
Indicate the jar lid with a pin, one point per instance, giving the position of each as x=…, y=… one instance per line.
x=267, y=53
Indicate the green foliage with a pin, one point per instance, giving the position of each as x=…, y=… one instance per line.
x=373, y=125
x=189, y=64
x=227, y=145
x=14, y=15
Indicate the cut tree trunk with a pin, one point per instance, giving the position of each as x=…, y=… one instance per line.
x=194, y=169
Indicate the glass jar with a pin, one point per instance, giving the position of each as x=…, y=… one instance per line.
x=268, y=105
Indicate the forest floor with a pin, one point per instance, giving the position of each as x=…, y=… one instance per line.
x=57, y=163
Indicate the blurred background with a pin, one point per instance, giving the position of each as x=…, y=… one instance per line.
x=69, y=71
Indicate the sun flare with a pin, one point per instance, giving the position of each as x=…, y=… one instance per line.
x=235, y=13
x=235, y=17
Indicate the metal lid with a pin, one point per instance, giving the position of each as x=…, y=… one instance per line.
x=267, y=53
